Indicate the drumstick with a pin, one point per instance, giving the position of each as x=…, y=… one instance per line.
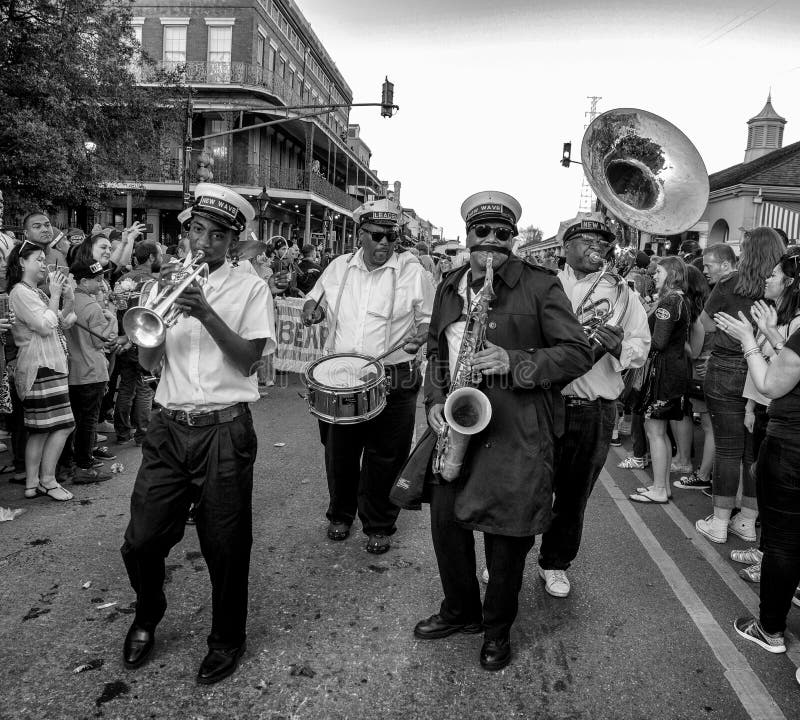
x=92, y=332
x=386, y=354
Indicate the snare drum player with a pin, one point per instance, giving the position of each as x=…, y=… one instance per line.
x=200, y=444
x=374, y=298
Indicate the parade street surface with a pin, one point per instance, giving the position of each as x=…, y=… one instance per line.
x=646, y=632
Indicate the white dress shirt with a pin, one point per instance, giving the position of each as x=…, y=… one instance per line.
x=372, y=310
x=604, y=380
x=197, y=376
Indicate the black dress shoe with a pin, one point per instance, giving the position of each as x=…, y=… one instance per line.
x=495, y=654
x=436, y=627
x=138, y=646
x=218, y=664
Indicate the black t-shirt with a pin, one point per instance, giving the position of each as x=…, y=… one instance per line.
x=784, y=412
x=724, y=299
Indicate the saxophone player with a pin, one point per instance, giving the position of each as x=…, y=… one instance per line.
x=591, y=400
x=534, y=344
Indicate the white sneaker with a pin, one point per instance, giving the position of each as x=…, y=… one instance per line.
x=750, y=556
x=744, y=528
x=485, y=576
x=713, y=528
x=555, y=582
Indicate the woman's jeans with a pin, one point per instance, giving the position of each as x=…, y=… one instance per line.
x=779, y=507
x=723, y=389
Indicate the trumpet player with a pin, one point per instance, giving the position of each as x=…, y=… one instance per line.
x=591, y=400
x=534, y=344
x=200, y=444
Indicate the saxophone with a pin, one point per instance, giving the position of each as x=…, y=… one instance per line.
x=467, y=410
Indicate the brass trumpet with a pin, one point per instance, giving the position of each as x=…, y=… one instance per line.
x=147, y=323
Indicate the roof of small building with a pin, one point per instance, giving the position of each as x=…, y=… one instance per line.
x=767, y=113
x=780, y=167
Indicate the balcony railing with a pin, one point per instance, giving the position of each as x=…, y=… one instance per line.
x=233, y=73
x=168, y=169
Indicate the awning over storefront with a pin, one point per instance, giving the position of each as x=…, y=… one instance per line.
x=785, y=216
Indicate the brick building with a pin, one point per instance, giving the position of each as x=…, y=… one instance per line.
x=243, y=63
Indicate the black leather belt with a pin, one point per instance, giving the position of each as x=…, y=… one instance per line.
x=201, y=419
x=407, y=365
x=575, y=401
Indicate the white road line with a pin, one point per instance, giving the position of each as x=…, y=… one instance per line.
x=752, y=693
x=741, y=589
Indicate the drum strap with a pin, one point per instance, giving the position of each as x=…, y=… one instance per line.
x=328, y=349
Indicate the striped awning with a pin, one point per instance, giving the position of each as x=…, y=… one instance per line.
x=785, y=216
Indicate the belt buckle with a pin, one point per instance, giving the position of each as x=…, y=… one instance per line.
x=190, y=421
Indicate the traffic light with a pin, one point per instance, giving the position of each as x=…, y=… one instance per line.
x=387, y=98
x=565, y=154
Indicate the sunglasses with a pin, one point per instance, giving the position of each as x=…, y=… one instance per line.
x=378, y=235
x=501, y=233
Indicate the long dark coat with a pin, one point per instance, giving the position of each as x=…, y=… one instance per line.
x=506, y=484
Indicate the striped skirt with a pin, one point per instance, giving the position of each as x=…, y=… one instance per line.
x=46, y=406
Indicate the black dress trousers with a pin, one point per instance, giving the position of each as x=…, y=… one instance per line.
x=362, y=461
x=454, y=546
x=211, y=466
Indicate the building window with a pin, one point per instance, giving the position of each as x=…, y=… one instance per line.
x=280, y=69
x=219, y=44
x=175, y=43
x=273, y=53
x=261, y=46
x=217, y=147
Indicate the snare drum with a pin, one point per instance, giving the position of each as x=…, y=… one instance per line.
x=346, y=388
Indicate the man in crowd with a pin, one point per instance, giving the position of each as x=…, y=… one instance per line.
x=36, y=228
x=719, y=261
x=591, y=400
x=200, y=446
x=533, y=346
x=375, y=299
x=134, y=395
x=308, y=269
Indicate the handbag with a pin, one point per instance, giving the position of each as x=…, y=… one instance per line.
x=5, y=394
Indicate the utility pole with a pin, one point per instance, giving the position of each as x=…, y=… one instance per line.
x=587, y=196
x=187, y=151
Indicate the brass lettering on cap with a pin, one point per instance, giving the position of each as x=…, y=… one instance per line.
x=489, y=208
x=218, y=204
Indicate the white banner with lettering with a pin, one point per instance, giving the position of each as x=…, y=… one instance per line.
x=298, y=345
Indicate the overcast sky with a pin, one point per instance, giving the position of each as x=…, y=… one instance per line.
x=489, y=91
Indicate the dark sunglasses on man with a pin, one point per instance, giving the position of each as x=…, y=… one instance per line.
x=501, y=233
x=378, y=235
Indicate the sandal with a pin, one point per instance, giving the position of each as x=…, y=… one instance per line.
x=338, y=531
x=645, y=495
x=378, y=544
x=54, y=493
x=650, y=489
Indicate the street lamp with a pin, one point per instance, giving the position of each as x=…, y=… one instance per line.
x=263, y=203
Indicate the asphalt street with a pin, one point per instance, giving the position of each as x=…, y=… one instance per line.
x=646, y=632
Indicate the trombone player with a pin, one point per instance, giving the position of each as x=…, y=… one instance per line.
x=533, y=345
x=200, y=444
x=591, y=400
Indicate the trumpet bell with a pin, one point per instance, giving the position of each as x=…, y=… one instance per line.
x=467, y=411
x=645, y=171
x=144, y=327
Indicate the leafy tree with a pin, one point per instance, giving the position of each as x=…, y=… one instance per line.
x=65, y=80
x=531, y=233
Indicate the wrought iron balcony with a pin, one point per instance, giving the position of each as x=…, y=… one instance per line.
x=168, y=169
x=233, y=73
